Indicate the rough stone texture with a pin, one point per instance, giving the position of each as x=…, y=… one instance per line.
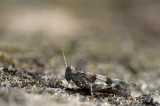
x=153, y=98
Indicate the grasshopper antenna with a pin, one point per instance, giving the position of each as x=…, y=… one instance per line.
x=62, y=52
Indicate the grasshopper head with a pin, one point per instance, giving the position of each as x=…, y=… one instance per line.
x=68, y=73
x=69, y=69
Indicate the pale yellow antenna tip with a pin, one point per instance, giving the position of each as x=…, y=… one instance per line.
x=62, y=52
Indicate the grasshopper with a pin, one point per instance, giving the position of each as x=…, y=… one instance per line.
x=96, y=82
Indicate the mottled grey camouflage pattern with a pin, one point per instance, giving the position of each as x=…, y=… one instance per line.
x=98, y=83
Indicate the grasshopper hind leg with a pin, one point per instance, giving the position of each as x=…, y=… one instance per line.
x=91, y=90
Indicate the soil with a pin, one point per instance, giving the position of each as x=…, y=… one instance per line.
x=34, y=75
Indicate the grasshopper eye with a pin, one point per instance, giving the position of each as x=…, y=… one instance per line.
x=70, y=68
